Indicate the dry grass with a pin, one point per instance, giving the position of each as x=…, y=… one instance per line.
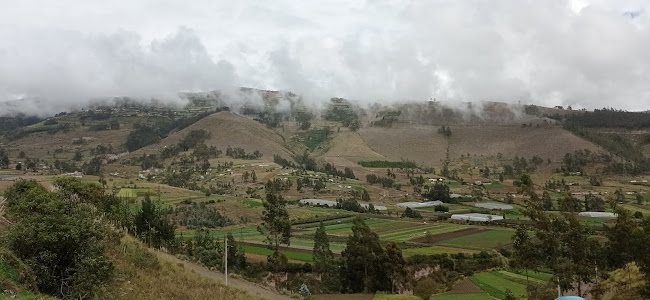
x=228, y=129
x=422, y=144
x=142, y=275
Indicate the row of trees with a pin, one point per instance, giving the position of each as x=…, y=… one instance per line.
x=562, y=244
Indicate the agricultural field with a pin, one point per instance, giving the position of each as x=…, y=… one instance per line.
x=477, y=296
x=481, y=241
x=496, y=283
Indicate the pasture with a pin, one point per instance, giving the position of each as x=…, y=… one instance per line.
x=496, y=283
x=485, y=240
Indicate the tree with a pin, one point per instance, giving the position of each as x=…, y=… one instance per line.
x=362, y=270
x=440, y=191
x=426, y=287
x=236, y=255
x=625, y=284
x=253, y=176
x=276, y=226
x=78, y=156
x=410, y=213
x=525, y=252
x=59, y=237
x=323, y=256
x=19, y=166
x=395, y=266
x=4, y=159
x=547, y=202
x=365, y=196
x=594, y=203
x=152, y=226
x=509, y=295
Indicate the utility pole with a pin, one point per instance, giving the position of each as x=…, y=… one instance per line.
x=226, y=260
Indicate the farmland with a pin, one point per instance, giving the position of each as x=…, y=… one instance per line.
x=496, y=283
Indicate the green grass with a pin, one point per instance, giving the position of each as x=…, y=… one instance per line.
x=532, y=274
x=481, y=241
x=306, y=257
x=496, y=285
x=314, y=137
x=382, y=296
x=435, y=250
x=481, y=296
x=253, y=202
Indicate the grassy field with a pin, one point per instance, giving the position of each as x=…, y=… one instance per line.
x=496, y=284
x=481, y=296
x=306, y=257
x=481, y=241
x=382, y=296
x=435, y=250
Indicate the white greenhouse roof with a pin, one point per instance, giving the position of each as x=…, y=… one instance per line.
x=476, y=217
x=597, y=214
x=377, y=207
x=491, y=205
x=318, y=202
x=333, y=203
x=419, y=204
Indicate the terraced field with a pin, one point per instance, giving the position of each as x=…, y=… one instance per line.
x=496, y=283
x=481, y=241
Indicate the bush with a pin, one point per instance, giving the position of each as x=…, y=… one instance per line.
x=427, y=287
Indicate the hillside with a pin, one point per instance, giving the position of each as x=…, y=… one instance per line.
x=228, y=129
x=426, y=145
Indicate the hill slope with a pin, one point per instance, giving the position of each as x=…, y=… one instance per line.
x=423, y=144
x=228, y=129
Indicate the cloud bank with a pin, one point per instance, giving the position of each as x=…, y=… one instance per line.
x=583, y=53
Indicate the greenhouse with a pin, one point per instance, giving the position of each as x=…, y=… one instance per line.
x=491, y=205
x=318, y=202
x=597, y=214
x=476, y=217
x=377, y=207
x=419, y=204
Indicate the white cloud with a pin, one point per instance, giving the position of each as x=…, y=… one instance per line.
x=581, y=53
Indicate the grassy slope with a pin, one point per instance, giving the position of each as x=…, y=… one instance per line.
x=427, y=147
x=228, y=129
x=142, y=275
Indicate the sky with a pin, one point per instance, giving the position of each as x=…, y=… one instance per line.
x=587, y=54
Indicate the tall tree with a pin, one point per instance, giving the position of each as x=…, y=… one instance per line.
x=362, y=269
x=525, y=253
x=152, y=226
x=395, y=266
x=323, y=256
x=277, y=226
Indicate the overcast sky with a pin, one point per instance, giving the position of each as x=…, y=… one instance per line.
x=583, y=53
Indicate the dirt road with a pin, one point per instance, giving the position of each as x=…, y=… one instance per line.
x=242, y=284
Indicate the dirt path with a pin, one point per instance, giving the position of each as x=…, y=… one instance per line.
x=449, y=235
x=243, y=284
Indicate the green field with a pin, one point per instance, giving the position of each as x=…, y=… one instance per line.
x=382, y=296
x=496, y=284
x=253, y=202
x=481, y=296
x=306, y=257
x=481, y=241
x=435, y=250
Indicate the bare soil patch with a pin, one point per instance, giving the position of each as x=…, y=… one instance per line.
x=465, y=286
x=449, y=235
